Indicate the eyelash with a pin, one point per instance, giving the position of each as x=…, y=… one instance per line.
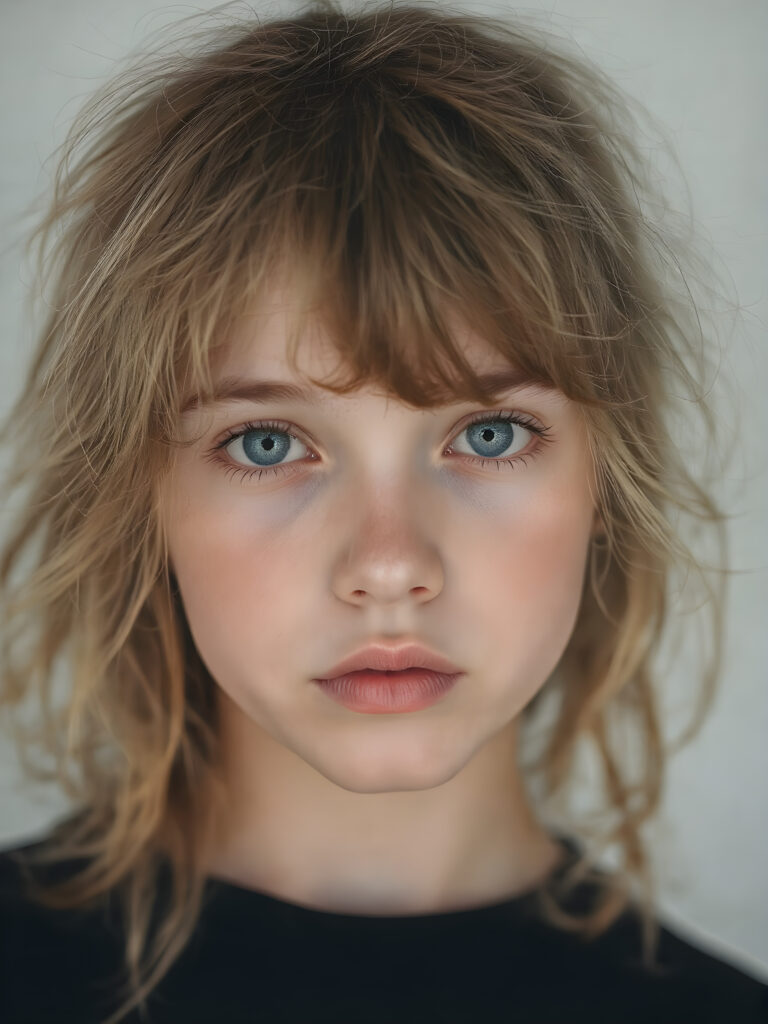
x=510, y=417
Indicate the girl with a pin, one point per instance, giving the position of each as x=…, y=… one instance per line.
x=350, y=471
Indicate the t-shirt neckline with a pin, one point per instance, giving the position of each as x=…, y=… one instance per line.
x=226, y=894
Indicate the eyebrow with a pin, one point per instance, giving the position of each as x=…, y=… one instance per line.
x=238, y=389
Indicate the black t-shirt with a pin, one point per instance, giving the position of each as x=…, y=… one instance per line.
x=256, y=958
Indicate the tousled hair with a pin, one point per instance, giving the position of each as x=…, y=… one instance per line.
x=405, y=165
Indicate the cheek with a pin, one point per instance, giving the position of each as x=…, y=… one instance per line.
x=527, y=576
x=238, y=583
x=547, y=557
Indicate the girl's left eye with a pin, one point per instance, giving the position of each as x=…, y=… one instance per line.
x=270, y=441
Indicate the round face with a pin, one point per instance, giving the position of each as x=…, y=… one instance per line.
x=302, y=529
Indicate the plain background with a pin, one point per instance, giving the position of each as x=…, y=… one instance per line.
x=699, y=68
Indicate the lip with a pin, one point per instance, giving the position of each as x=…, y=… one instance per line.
x=381, y=658
x=379, y=693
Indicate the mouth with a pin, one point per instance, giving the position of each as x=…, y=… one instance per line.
x=389, y=691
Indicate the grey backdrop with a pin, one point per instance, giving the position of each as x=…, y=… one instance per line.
x=699, y=67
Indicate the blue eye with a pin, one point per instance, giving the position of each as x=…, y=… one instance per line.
x=492, y=438
x=490, y=435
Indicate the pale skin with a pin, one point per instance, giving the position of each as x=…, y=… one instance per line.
x=382, y=538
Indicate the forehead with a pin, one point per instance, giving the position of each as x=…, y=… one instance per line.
x=254, y=355
x=285, y=341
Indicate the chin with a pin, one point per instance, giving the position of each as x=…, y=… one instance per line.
x=389, y=772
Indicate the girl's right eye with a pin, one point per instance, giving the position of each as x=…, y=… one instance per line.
x=264, y=440
x=261, y=440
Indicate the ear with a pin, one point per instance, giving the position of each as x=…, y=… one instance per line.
x=598, y=526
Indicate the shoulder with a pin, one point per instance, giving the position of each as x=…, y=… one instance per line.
x=20, y=870
x=686, y=980
x=705, y=975
x=49, y=957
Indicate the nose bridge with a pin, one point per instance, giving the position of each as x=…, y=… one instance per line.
x=385, y=502
x=385, y=476
x=383, y=465
x=389, y=477
x=385, y=441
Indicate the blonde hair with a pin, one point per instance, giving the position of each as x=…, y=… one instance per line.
x=408, y=164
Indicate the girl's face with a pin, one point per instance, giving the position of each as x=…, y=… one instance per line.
x=369, y=532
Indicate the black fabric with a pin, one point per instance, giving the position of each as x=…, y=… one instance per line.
x=254, y=957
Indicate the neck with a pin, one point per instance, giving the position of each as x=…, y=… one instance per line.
x=288, y=831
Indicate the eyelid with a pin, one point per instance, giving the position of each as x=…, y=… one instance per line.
x=259, y=423
x=291, y=428
x=503, y=411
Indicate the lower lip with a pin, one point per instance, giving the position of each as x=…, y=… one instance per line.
x=384, y=693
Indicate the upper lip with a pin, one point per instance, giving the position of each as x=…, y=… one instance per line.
x=381, y=658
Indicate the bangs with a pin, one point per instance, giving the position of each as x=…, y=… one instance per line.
x=392, y=217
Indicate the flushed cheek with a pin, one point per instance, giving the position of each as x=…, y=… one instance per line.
x=548, y=548
x=239, y=586
x=526, y=575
